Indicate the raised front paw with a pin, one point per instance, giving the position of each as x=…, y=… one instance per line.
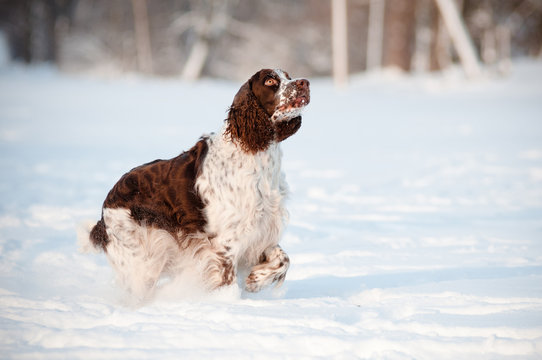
x=259, y=279
x=272, y=268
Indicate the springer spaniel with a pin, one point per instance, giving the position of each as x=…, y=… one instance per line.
x=216, y=210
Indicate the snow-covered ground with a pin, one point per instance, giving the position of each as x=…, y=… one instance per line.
x=415, y=232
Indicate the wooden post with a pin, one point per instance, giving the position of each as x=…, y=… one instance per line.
x=339, y=38
x=375, y=34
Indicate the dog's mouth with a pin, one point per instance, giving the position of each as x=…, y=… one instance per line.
x=301, y=101
x=293, y=107
x=297, y=104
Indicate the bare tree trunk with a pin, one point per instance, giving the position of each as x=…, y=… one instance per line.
x=375, y=34
x=488, y=41
x=423, y=37
x=441, y=57
x=503, y=45
x=27, y=31
x=64, y=13
x=209, y=20
x=399, y=33
x=142, y=36
x=460, y=37
x=50, y=39
x=194, y=65
x=339, y=42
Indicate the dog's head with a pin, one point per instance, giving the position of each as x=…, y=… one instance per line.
x=267, y=108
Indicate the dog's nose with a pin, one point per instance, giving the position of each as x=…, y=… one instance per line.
x=303, y=83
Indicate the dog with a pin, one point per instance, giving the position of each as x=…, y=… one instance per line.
x=216, y=210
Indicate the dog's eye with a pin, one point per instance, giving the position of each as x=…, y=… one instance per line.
x=271, y=82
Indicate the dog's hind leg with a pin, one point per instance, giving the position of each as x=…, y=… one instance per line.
x=138, y=253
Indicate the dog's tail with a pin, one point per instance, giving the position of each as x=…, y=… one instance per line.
x=92, y=237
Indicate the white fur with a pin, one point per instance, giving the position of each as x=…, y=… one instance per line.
x=139, y=254
x=244, y=198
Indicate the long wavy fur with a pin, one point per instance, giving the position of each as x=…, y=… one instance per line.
x=248, y=123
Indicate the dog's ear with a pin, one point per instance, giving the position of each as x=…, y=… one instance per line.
x=249, y=124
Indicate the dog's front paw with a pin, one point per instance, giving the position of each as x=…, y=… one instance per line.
x=263, y=275
x=252, y=283
x=258, y=279
x=273, y=266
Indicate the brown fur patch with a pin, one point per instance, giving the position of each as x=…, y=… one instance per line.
x=161, y=194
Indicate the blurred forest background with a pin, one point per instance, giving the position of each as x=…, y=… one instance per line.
x=230, y=38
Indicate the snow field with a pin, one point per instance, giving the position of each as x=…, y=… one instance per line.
x=415, y=221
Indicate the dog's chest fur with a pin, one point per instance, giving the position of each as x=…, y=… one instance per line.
x=243, y=197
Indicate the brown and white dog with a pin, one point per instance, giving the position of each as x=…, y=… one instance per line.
x=216, y=210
